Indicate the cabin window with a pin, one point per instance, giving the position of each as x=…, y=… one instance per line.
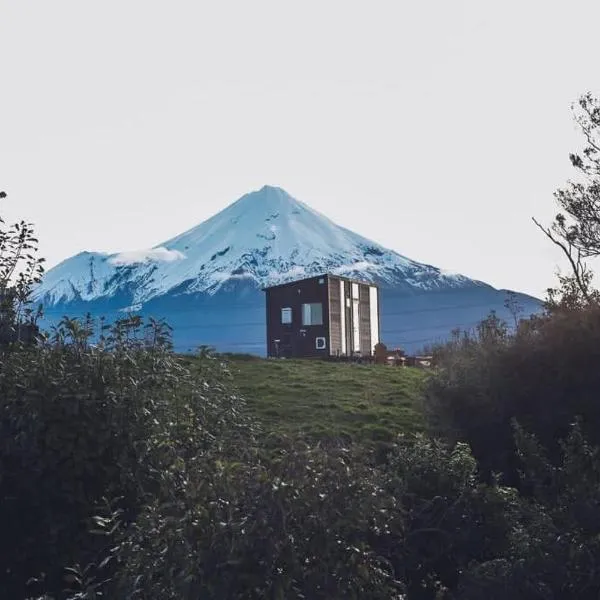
x=312, y=314
x=286, y=316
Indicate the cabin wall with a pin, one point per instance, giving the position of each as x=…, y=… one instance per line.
x=295, y=339
x=337, y=344
x=364, y=320
x=351, y=327
x=348, y=317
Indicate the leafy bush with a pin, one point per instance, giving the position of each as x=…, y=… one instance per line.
x=544, y=376
x=145, y=479
x=20, y=269
x=556, y=550
x=82, y=422
x=441, y=519
x=296, y=528
x=314, y=522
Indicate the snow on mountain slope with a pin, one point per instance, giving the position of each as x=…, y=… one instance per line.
x=265, y=237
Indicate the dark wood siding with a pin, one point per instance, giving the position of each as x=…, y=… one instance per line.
x=365, y=319
x=335, y=316
x=296, y=339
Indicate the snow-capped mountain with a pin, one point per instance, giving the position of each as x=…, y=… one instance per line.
x=265, y=237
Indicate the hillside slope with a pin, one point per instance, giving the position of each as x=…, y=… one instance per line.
x=322, y=400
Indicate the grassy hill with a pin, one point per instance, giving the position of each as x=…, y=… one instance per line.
x=317, y=399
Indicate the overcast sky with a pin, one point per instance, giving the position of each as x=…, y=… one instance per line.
x=437, y=128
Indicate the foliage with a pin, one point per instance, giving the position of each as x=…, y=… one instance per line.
x=157, y=458
x=144, y=478
x=576, y=229
x=20, y=270
x=555, y=552
x=295, y=528
x=527, y=403
x=545, y=375
x=311, y=523
x=83, y=422
x=441, y=520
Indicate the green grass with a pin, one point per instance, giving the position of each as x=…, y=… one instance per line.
x=319, y=400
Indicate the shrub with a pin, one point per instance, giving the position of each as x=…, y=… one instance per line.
x=555, y=551
x=295, y=528
x=440, y=519
x=315, y=522
x=82, y=422
x=544, y=376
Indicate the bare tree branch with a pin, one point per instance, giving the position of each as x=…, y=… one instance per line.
x=577, y=265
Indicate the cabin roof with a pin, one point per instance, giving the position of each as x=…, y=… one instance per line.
x=327, y=275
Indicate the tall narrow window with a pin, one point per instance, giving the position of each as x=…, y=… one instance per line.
x=286, y=316
x=355, y=325
x=374, y=317
x=312, y=314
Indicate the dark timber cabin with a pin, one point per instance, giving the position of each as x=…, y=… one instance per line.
x=322, y=316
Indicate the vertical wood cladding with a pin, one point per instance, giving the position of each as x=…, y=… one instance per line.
x=365, y=319
x=347, y=300
x=335, y=316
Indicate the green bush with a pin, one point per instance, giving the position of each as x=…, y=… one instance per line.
x=441, y=519
x=555, y=551
x=295, y=528
x=544, y=376
x=81, y=423
x=315, y=522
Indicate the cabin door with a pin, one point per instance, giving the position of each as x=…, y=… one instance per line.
x=287, y=347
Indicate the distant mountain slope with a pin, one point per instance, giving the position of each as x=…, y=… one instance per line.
x=206, y=281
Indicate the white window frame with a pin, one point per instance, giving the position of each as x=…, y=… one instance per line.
x=308, y=318
x=374, y=316
x=343, y=315
x=355, y=325
x=286, y=320
x=355, y=318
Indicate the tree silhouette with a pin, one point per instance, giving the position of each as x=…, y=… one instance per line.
x=576, y=229
x=20, y=270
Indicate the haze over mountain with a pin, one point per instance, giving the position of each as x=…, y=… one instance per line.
x=207, y=281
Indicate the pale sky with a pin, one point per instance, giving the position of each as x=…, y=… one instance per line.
x=436, y=128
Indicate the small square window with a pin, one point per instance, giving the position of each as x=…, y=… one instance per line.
x=286, y=316
x=312, y=314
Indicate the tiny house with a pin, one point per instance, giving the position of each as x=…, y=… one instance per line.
x=322, y=316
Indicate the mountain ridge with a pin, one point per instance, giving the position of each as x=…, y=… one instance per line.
x=266, y=236
x=196, y=279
